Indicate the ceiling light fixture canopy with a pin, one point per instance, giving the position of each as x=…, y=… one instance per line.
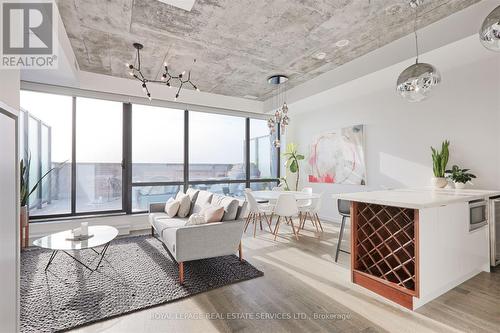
x=417, y=81
x=489, y=35
x=167, y=78
x=279, y=119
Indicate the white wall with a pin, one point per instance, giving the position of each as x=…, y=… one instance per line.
x=465, y=109
x=9, y=220
x=9, y=87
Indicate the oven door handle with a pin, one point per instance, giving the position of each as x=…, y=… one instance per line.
x=478, y=204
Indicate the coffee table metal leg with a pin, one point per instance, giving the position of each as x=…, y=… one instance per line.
x=52, y=256
x=103, y=252
x=81, y=263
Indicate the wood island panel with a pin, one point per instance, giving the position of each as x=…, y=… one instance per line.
x=384, y=245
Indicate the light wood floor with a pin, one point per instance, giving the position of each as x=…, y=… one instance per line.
x=301, y=279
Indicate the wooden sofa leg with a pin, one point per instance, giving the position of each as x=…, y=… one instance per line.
x=152, y=231
x=181, y=272
x=240, y=252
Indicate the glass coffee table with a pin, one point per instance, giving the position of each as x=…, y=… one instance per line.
x=102, y=235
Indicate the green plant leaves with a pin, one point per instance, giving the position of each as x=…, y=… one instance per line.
x=440, y=159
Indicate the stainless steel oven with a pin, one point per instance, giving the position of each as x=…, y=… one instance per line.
x=478, y=214
x=495, y=231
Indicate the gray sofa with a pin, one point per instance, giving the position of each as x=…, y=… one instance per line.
x=194, y=242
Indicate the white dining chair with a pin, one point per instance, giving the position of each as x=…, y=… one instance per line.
x=311, y=212
x=272, y=202
x=256, y=211
x=286, y=209
x=306, y=202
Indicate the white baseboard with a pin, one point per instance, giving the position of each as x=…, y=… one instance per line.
x=124, y=223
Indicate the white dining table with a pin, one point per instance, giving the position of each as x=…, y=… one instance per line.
x=273, y=195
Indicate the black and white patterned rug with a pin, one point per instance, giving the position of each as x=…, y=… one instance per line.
x=136, y=273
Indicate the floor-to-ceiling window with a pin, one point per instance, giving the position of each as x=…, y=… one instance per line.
x=263, y=155
x=99, y=155
x=127, y=156
x=157, y=154
x=46, y=128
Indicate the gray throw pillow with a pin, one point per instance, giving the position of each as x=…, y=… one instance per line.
x=193, y=195
x=204, y=198
x=230, y=206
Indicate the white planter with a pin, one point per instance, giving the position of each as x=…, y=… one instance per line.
x=460, y=186
x=439, y=182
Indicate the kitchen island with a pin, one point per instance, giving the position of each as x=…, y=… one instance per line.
x=412, y=245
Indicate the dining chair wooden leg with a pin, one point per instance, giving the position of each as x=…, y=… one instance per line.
x=254, y=220
x=271, y=217
x=248, y=221
x=296, y=233
x=314, y=221
x=319, y=222
x=277, y=227
x=268, y=223
x=260, y=220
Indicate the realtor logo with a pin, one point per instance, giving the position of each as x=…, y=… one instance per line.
x=28, y=34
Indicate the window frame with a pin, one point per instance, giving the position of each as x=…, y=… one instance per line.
x=127, y=183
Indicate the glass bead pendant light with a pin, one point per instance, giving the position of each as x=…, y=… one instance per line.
x=489, y=35
x=417, y=81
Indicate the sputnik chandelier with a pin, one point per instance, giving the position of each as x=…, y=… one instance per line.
x=280, y=118
x=167, y=78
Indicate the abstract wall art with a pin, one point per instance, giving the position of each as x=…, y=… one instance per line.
x=338, y=157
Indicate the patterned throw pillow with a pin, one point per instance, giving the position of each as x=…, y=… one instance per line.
x=185, y=204
x=196, y=219
x=172, y=207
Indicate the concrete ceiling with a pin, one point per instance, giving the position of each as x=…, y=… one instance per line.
x=239, y=43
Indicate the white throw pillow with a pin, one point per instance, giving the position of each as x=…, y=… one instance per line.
x=172, y=207
x=213, y=213
x=185, y=204
x=196, y=219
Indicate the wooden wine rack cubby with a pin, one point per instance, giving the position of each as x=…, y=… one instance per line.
x=385, y=250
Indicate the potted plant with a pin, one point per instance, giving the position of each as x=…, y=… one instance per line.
x=459, y=177
x=25, y=192
x=292, y=163
x=439, y=162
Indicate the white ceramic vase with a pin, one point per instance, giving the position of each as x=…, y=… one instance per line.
x=439, y=182
x=459, y=186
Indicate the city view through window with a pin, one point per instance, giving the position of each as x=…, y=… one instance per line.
x=95, y=129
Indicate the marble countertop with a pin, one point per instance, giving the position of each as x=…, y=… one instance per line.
x=417, y=198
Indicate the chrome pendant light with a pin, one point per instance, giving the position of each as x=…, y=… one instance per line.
x=417, y=81
x=489, y=35
x=280, y=117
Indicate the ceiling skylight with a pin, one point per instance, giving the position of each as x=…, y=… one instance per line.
x=183, y=4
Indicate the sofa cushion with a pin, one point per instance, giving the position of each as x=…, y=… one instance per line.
x=213, y=213
x=172, y=207
x=160, y=224
x=193, y=195
x=242, y=207
x=154, y=216
x=230, y=206
x=185, y=204
x=204, y=198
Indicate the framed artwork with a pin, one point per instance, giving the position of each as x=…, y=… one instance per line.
x=338, y=157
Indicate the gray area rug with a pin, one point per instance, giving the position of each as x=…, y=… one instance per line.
x=136, y=273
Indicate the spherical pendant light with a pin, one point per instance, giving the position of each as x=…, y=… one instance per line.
x=416, y=82
x=489, y=35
